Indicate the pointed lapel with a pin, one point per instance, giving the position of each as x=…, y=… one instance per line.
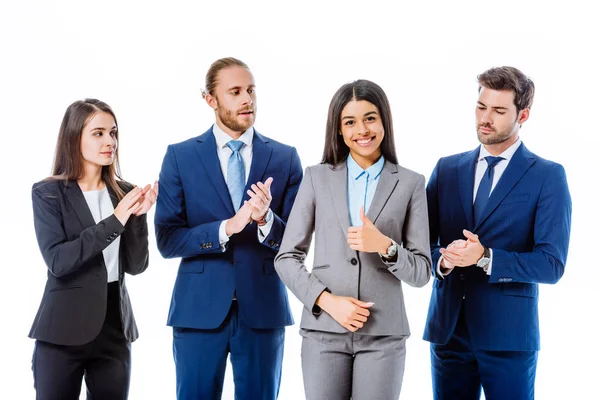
x=388, y=180
x=520, y=162
x=261, y=155
x=77, y=200
x=207, y=151
x=338, y=182
x=466, y=182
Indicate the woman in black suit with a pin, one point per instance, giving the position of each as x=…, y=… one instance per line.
x=91, y=229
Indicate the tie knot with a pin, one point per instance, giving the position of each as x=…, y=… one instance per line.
x=235, y=145
x=492, y=161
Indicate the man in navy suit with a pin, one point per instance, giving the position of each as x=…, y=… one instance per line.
x=224, y=202
x=500, y=219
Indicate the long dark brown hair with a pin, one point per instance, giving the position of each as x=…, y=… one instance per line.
x=68, y=160
x=336, y=150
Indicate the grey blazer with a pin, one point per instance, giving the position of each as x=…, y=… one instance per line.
x=398, y=210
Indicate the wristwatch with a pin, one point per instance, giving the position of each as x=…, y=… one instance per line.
x=391, y=251
x=484, y=261
x=266, y=219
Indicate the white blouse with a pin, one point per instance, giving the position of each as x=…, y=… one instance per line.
x=101, y=207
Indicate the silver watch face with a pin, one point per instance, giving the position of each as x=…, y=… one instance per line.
x=391, y=252
x=483, y=262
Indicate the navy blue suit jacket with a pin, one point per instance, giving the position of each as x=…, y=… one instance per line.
x=193, y=202
x=526, y=223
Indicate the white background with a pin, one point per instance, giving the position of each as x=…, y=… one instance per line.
x=148, y=61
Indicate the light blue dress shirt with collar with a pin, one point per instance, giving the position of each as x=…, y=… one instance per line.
x=361, y=187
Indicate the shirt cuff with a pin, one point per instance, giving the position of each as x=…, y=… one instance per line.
x=223, y=238
x=488, y=269
x=263, y=231
x=439, y=269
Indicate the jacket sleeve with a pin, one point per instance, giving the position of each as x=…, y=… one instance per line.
x=64, y=256
x=290, y=261
x=413, y=265
x=174, y=238
x=275, y=236
x=551, y=233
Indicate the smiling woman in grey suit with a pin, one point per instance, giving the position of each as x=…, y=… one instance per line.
x=91, y=229
x=369, y=216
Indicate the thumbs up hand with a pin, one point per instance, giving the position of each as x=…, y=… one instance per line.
x=367, y=238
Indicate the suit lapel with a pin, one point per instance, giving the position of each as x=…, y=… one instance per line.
x=77, y=200
x=388, y=180
x=207, y=151
x=466, y=182
x=261, y=155
x=338, y=183
x=520, y=162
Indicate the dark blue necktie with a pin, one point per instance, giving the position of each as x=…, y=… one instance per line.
x=485, y=187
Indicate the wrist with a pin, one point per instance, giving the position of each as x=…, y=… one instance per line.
x=385, y=245
x=265, y=218
x=229, y=229
x=324, y=299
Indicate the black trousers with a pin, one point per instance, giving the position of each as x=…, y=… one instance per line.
x=105, y=362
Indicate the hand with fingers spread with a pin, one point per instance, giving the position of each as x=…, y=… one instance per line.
x=367, y=238
x=148, y=198
x=128, y=205
x=347, y=311
x=239, y=221
x=260, y=199
x=463, y=253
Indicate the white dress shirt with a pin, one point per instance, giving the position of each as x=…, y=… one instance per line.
x=101, y=207
x=224, y=152
x=479, y=172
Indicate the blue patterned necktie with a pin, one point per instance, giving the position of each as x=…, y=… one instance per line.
x=485, y=187
x=236, y=177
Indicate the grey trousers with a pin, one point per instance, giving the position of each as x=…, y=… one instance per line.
x=340, y=366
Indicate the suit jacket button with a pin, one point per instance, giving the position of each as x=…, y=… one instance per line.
x=354, y=261
x=108, y=239
x=462, y=277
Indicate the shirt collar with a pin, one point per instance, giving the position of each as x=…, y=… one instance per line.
x=356, y=171
x=506, y=154
x=222, y=138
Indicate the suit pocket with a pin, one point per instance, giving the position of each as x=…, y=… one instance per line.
x=520, y=289
x=268, y=266
x=516, y=198
x=196, y=267
x=320, y=266
x=64, y=288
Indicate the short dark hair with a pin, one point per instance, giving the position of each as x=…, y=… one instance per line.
x=210, y=82
x=335, y=150
x=509, y=78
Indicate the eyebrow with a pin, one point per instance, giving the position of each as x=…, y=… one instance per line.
x=99, y=128
x=239, y=87
x=496, y=108
x=367, y=113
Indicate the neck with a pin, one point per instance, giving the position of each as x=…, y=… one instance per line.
x=92, y=178
x=365, y=161
x=499, y=148
x=231, y=133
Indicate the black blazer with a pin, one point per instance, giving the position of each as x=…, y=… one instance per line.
x=73, y=306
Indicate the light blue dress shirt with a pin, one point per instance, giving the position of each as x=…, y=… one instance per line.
x=361, y=187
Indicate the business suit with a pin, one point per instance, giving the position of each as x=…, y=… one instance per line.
x=399, y=211
x=75, y=303
x=526, y=224
x=207, y=322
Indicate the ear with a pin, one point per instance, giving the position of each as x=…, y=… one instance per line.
x=211, y=101
x=523, y=116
